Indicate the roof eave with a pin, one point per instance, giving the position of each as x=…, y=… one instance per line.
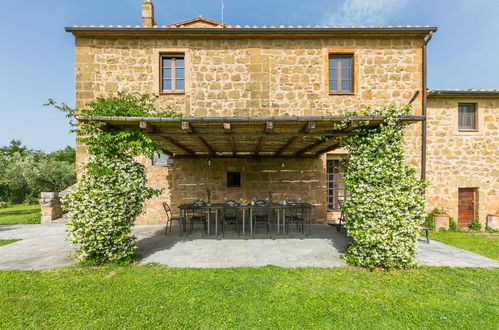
x=463, y=93
x=423, y=31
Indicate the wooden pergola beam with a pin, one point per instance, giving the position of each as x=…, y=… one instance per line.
x=313, y=146
x=186, y=126
x=231, y=139
x=305, y=129
x=327, y=149
x=147, y=127
x=269, y=127
x=351, y=126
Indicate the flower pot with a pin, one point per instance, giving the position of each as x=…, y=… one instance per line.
x=440, y=221
x=493, y=221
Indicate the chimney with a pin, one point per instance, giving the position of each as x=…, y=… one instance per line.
x=148, y=14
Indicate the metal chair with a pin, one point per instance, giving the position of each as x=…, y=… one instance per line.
x=196, y=214
x=230, y=216
x=296, y=217
x=169, y=217
x=261, y=216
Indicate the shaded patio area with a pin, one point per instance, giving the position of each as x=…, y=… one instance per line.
x=43, y=246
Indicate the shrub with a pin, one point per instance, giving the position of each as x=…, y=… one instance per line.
x=474, y=225
x=385, y=205
x=103, y=206
x=112, y=189
x=34, y=219
x=452, y=224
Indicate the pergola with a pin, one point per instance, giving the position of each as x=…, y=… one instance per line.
x=246, y=137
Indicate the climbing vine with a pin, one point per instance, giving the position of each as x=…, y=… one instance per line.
x=112, y=188
x=385, y=205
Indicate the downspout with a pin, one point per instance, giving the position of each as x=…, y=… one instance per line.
x=423, y=126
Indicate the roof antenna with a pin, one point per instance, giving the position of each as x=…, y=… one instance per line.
x=223, y=7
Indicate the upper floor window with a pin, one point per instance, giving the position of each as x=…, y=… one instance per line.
x=340, y=73
x=172, y=73
x=467, y=116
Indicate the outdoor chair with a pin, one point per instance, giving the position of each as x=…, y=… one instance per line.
x=261, y=216
x=230, y=216
x=169, y=217
x=295, y=216
x=196, y=214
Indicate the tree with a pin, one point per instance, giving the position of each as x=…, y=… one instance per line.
x=24, y=172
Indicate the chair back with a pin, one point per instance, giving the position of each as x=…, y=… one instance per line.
x=168, y=210
x=231, y=209
x=297, y=211
x=261, y=209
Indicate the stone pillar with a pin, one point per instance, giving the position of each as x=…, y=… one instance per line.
x=50, y=205
x=148, y=14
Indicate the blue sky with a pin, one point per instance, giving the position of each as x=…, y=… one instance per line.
x=36, y=59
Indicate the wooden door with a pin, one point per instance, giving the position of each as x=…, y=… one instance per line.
x=466, y=206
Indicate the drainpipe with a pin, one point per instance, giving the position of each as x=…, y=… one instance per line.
x=423, y=127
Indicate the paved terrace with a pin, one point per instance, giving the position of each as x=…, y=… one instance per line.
x=43, y=246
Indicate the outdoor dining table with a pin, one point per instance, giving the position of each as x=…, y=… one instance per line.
x=280, y=208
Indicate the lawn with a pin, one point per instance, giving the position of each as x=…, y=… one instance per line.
x=7, y=241
x=20, y=214
x=269, y=297
x=486, y=244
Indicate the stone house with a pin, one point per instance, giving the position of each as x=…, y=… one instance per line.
x=205, y=69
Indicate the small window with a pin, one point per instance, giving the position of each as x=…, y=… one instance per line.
x=233, y=179
x=340, y=73
x=467, y=117
x=172, y=73
x=162, y=160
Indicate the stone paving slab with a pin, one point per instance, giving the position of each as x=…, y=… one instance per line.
x=43, y=246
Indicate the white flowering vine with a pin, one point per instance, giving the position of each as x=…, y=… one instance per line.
x=385, y=204
x=103, y=206
x=111, y=191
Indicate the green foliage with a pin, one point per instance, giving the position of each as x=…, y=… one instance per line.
x=112, y=189
x=491, y=230
x=452, y=224
x=103, y=206
x=475, y=225
x=14, y=147
x=24, y=173
x=34, y=219
x=67, y=154
x=111, y=140
x=385, y=205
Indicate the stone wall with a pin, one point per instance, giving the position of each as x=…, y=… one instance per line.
x=188, y=179
x=463, y=159
x=251, y=77
x=50, y=207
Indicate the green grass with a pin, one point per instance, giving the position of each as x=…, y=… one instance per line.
x=7, y=241
x=20, y=214
x=486, y=244
x=269, y=297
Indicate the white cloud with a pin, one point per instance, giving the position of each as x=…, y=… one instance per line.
x=365, y=12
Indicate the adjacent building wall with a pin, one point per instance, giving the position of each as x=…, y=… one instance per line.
x=463, y=159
